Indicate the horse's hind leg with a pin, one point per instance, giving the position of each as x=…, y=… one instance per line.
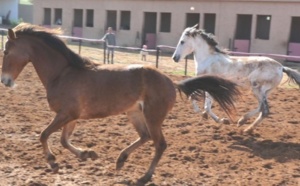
x=59, y=121
x=264, y=112
x=138, y=120
x=154, y=120
x=82, y=154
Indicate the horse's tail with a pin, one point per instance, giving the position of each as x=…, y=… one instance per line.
x=222, y=90
x=293, y=75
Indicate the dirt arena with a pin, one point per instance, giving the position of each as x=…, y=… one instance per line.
x=200, y=152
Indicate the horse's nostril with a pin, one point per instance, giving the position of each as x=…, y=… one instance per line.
x=176, y=58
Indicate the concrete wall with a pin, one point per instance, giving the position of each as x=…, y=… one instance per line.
x=26, y=12
x=12, y=5
x=226, y=15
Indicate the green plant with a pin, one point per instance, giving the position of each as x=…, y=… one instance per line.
x=15, y=23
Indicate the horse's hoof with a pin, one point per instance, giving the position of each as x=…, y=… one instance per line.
x=143, y=180
x=248, y=131
x=225, y=121
x=54, y=167
x=241, y=122
x=84, y=155
x=93, y=155
x=119, y=165
x=204, y=115
x=121, y=160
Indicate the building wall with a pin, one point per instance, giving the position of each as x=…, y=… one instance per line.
x=226, y=15
x=25, y=12
x=12, y=5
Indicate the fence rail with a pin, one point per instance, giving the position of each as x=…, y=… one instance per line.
x=159, y=49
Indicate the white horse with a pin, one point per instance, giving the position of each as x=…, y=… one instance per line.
x=260, y=74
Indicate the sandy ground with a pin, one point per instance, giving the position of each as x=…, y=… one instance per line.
x=200, y=152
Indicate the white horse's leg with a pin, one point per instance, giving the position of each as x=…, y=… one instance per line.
x=263, y=107
x=195, y=106
x=207, y=107
x=248, y=115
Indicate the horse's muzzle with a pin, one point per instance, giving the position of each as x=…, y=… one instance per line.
x=176, y=58
x=8, y=82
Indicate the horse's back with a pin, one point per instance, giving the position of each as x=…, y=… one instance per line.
x=259, y=70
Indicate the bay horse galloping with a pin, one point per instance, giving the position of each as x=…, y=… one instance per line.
x=77, y=88
x=260, y=74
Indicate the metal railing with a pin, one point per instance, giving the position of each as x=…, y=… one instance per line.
x=159, y=49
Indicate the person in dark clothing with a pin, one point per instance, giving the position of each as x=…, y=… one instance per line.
x=110, y=39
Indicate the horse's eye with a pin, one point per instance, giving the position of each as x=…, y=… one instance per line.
x=5, y=52
x=181, y=42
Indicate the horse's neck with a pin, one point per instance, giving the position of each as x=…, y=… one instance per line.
x=202, y=51
x=205, y=59
x=48, y=63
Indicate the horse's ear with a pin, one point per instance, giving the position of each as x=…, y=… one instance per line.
x=195, y=26
x=11, y=34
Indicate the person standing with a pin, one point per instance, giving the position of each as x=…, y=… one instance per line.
x=110, y=39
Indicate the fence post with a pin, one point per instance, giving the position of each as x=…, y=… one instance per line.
x=157, y=56
x=104, y=52
x=185, y=66
x=79, y=45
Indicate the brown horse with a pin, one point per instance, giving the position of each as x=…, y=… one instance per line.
x=80, y=89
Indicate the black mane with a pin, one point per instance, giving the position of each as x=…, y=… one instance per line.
x=49, y=36
x=208, y=37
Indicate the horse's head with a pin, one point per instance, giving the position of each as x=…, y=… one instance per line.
x=14, y=60
x=186, y=43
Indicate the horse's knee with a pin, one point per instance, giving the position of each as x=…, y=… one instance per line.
x=121, y=160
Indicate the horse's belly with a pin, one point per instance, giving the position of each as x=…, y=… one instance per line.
x=106, y=107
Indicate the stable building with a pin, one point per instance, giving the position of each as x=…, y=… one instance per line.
x=264, y=26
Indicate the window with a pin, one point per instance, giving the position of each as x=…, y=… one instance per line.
x=209, y=23
x=125, y=20
x=47, y=16
x=263, y=24
x=89, y=18
x=111, y=19
x=57, y=16
x=165, y=22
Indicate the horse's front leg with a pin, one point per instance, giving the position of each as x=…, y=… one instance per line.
x=82, y=154
x=248, y=115
x=207, y=107
x=197, y=109
x=59, y=121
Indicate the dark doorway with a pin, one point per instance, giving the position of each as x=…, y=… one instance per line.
x=242, y=33
x=294, y=39
x=111, y=19
x=47, y=17
x=209, y=23
x=192, y=19
x=77, y=23
x=149, y=29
